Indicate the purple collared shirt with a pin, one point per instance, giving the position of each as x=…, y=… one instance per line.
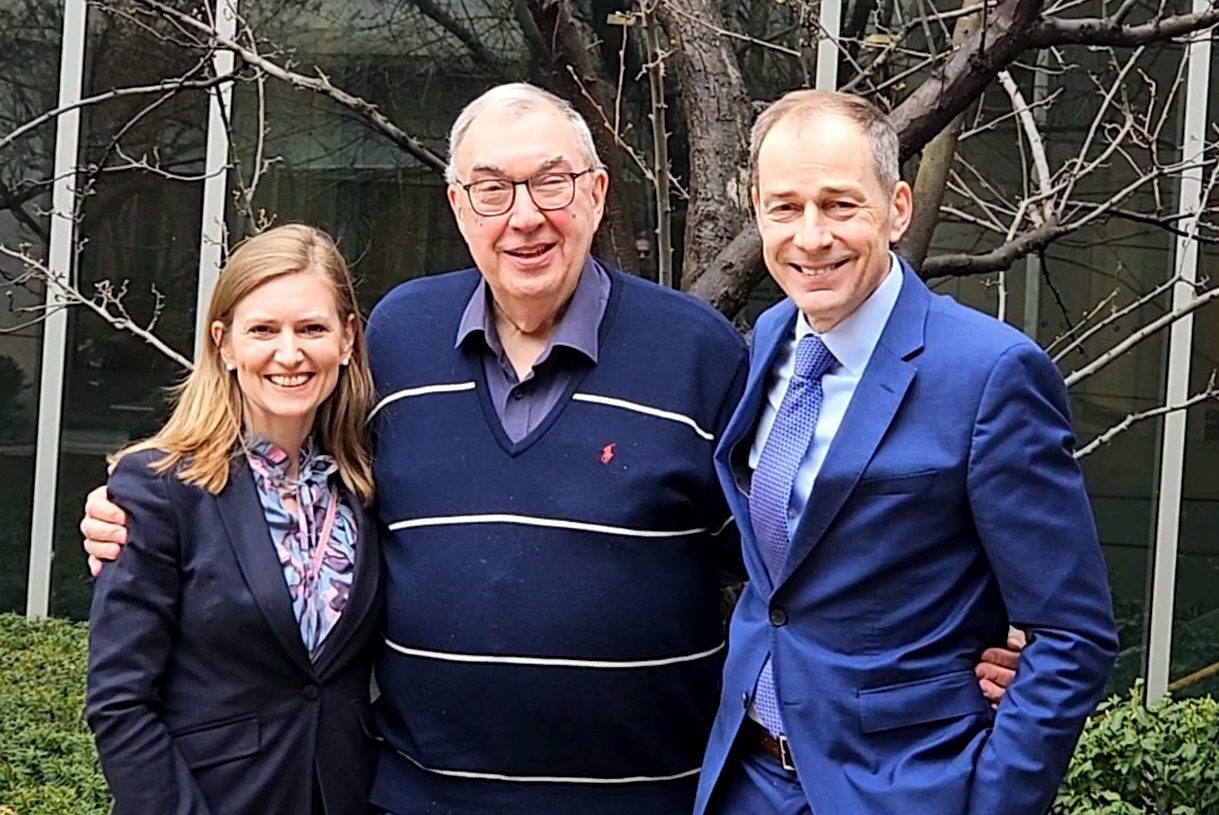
x=522, y=405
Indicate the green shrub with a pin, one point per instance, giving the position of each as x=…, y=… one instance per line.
x=1130, y=761
x=1134, y=760
x=47, y=762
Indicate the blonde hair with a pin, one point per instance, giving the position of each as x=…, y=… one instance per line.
x=800, y=106
x=204, y=431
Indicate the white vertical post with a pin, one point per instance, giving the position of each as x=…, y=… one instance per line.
x=215, y=186
x=60, y=254
x=1032, y=264
x=827, y=45
x=1172, y=462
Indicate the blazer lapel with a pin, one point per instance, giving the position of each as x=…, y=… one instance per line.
x=771, y=330
x=242, y=514
x=365, y=586
x=875, y=402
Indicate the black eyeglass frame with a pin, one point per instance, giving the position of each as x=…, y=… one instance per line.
x=573, y=176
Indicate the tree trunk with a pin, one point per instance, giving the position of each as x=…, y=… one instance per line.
x=718, y=116
x=935, y=163
x=571, y=48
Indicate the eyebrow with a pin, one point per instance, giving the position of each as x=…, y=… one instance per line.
x=492, y=169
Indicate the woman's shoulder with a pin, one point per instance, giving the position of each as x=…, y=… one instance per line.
x=147, y=470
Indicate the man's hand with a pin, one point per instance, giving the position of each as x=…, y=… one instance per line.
x=998, y=667
x=104, y=528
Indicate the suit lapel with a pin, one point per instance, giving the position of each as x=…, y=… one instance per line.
x=770, y=331
x=242, y=514
x=364, y=587
x=875, y=402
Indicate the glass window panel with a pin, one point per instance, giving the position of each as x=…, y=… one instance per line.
x=138, y=234
x=30, y=34
x=1195, y=642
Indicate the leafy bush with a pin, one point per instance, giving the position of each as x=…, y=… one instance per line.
x=1130, y=761
x=47, y=762
x=1133, y=760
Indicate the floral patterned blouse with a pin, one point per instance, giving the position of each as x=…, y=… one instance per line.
x=319, y=580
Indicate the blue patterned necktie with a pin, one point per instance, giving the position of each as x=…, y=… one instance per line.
x=770, y=492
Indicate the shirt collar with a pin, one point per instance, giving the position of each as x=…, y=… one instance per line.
x=270, y=460
x=578, y=329
x=854, y=339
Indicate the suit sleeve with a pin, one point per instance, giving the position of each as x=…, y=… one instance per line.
x=1035, y=523
x=131, y=634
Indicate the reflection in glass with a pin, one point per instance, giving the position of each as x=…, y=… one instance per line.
x=1195, y=636
x=139, y=234
x=29, y=73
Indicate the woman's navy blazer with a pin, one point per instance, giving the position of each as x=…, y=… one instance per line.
x=201, y=695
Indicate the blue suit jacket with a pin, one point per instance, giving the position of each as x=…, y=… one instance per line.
x=201, y=695
x=948, y=505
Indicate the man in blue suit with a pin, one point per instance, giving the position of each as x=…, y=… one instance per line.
x=901, y=470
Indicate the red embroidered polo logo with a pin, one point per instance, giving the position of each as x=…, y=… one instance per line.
x=607, y=453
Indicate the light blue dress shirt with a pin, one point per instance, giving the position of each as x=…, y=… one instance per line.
x=851, y=342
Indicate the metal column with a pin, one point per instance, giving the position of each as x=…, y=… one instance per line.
x=60, y=256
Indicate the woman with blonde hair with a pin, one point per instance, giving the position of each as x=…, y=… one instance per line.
x=231, y=644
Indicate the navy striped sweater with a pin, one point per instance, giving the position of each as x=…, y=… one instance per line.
x=553, y=638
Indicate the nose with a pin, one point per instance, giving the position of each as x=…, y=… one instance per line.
x=287, y=349
x=524, y=214
x=813, y=232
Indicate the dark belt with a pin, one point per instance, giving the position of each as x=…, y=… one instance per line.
x=757, y=737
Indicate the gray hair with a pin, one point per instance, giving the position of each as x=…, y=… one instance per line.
x=517, y=98
x=800, y=106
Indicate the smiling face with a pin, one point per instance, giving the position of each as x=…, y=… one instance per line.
x=285, y=346
x=530, y=258
x=825, y=220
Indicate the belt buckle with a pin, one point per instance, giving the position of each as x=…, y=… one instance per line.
x=785, y=754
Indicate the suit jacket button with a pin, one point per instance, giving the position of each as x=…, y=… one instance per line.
x=311, y=692
x=778, y=617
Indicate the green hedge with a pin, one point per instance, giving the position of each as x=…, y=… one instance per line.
x=1133, y=760
x=47, y=762
x=1130, y=761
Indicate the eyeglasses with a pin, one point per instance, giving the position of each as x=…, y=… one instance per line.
x=548, y=191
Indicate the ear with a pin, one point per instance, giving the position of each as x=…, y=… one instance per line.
x=901, y=211
x=349, y=338
x=757, y=210
x=600, y=189
x=218, y=339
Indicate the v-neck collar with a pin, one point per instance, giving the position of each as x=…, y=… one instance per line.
x=491, y=417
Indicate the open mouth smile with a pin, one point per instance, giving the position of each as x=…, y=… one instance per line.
x=530, y=252
x=817, y=271
x=289, y=380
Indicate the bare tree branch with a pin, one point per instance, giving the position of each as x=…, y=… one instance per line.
x=319, y=84
x=1211, y=392
x=107, y=303
x=1133, y=339
x=1111, y=31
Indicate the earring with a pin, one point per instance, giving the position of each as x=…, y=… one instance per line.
x=344, y=362
x=228, y=366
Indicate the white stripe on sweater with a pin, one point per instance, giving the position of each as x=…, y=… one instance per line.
x=551, y=662
x=448, y=387
x=645, y=409
x=531, y=520
x=550, y=779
